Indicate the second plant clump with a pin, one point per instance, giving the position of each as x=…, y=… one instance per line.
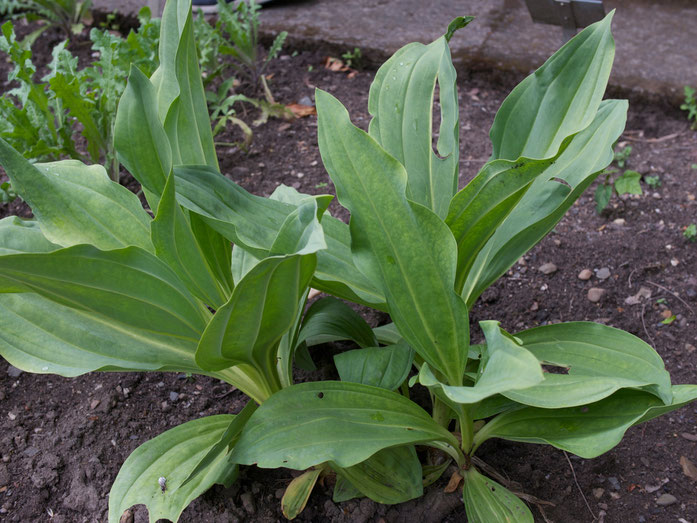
x=95, y=283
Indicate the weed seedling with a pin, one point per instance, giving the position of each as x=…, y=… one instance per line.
x=690, y=232
x=625, y=183
x=353, y=59
x=690, y=105
x=653, y=181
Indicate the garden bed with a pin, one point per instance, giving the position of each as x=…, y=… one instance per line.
x=62, y=441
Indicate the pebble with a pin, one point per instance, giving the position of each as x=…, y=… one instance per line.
x=689, y=437
x=548, y=268
x=674, y=262
x=585, y=274
x=598, y=492
x=164, y=406
x=690, y=348
x=603, y=274
x=31, y=451
x=94, y=404
x=13, y=372
x=305, y=100
x=666, y=499
x=595, y=294
x=247, y=500
x=173, y=396
x=619, y=221
x=656, y=196
x=613, y=482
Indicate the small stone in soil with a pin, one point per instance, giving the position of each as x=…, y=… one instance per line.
x=13, y=372
x=690, y=348
x=598, y=492
x=248, y=502
x=595, y=294
x=305, y=100
x=689, y=437
x=173, y=396
x=94, y=404
x=548, y=268
x=31, y=451
x=666, y=499
x=603, y=273
x=613, y=482
x=585, y=274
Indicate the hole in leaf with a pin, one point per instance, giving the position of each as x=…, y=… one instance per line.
x=563, y=182
x=320, y=395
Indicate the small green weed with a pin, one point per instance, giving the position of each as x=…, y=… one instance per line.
x=653, y=181
x=625, y=183
x=690, y=232
x=353, y=59
x=690, y=105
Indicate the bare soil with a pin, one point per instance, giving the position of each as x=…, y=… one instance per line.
x=62, y=441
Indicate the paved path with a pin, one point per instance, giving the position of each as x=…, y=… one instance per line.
x=656, y=39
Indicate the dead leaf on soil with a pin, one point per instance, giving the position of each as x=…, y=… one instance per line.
x=454, y=482
x=301, y=111
x=334, y=64
x=688, y=468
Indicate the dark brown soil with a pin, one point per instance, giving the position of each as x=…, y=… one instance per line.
x=62, y=441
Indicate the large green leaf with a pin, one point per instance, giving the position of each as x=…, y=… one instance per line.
x=181, y=99
x=600, y=361
x=401, y=103
x=398, y=244
x=253, y=222
x=139, y=136
x=391, y=475
x=20, y=236
x=385, y=367
x=588, y=430
x=486, y=501
x=176, y=245
x=477, y=210
x=226, y=442
x=171, y=456
x=330, y=320
x=558, y=100
x=505, y=366
x=76, y=203
x=310, y=423
x=128, y=285
x=249, y=327
x=547, y=200
x=41, y=336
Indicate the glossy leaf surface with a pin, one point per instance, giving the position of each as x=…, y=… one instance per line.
x=600, y=361
x=558, y=100
x=76, y=203
x=384, y=367
x=329, y=319
x=588, y=430
x=171, y=456
x=486, y=501
x=310, y=423
x=175, y=244
x=403, y=247
x=390, y=476
x=401, y=103
x=505, y=366
x=547, y=200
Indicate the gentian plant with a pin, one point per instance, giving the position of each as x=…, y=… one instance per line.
x=216, y=284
